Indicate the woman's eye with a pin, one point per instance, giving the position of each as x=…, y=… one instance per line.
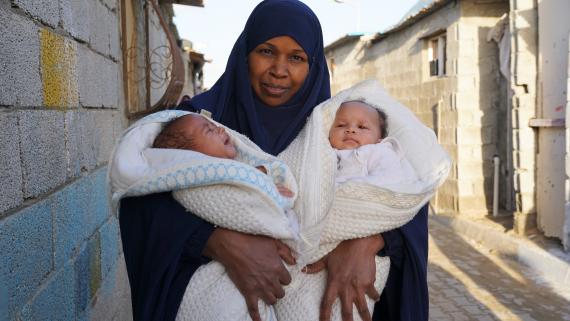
x=265, y=51
x=298, y=58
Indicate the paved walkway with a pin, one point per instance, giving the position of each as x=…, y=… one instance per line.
x=467, y=282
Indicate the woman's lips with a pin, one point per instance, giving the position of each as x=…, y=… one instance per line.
x=273, y=90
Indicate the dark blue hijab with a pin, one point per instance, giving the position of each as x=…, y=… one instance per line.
x=232, y=100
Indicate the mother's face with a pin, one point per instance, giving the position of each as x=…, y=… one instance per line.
x=277, y=69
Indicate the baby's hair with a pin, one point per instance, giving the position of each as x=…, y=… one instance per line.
x=172, y=137
x=382, y=115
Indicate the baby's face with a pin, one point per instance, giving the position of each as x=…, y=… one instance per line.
x=355, y=124
x=208, y=138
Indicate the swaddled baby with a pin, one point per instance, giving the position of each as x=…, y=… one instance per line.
x=365, y=154
x=194, y=132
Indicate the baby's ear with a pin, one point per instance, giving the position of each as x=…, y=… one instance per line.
x=379, y=140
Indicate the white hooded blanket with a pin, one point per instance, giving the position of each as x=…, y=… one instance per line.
x=235, y=195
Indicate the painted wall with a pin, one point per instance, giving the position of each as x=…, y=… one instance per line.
x=61, y=109
x=553, y=30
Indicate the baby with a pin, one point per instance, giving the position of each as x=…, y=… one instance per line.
x=194, y=132
x=365, y=154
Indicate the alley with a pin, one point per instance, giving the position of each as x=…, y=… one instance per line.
x=466, y=282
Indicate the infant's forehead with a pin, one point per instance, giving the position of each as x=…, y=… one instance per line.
x=356, y=104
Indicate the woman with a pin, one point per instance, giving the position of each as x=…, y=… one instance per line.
x=275, y=76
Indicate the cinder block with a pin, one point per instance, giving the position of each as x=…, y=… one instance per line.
x=43, y=150
x=106, y=134
x=59, y=71
x=99, y=82
x=45, y=10
x=113, y=299
x=474, y=205
x=99, y=202
x=470, y=170
x=87, y=270
x=72, y=218
x=75, y=18
x=26, y=247
x=20, y=83
x=114, y=30
x=111, y=4
x=55, y=300
x=109, y=245
x=80, y=142
x=469, y=136
x=98, y=27
x=3, y=298
x=10, y=170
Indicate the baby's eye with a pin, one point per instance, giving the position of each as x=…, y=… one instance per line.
x=362, y=127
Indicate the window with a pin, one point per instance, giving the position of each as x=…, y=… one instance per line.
x=437, y=56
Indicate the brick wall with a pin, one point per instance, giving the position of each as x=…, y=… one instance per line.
x=60, y=112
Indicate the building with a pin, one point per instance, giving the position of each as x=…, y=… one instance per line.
x=491, y=78
x=73, y=74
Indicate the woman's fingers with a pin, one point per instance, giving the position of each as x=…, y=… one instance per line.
x=253, y=308
x=285, y=253
x=346, y=301
x=327, y=302
x=373, y=293
x=362, y=307
x=315, y=267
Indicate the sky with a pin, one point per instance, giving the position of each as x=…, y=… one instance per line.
x=214, y=28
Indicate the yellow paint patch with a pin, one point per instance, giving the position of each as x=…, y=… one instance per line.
x=59, y=72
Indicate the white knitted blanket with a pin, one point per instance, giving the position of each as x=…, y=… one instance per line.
x=231, y=193
x=326, y=216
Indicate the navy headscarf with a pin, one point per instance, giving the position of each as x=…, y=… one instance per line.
x=232, y=100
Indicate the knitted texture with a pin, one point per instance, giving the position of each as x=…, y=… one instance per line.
x=239, y=197
x=328, y=216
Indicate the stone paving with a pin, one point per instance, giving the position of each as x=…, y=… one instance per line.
x=468, y=282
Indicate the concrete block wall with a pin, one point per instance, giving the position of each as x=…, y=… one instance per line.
x=460, y=106
x=479, y=104
x=399, y=63
x=60, y=113
x=524, y=41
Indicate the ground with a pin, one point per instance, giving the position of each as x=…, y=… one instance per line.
x=468, y=282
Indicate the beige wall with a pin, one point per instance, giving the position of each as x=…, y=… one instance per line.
x=524, y=44
x=553, y=30
x=467, y=98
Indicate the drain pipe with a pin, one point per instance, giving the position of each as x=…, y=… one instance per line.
x=496, y=163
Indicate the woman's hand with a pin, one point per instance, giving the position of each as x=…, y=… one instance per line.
x=351, y=274
x=254, y=264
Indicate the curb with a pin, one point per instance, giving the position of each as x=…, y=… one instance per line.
x=547, y=258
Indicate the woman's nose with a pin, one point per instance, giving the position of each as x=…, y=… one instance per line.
x=279, y=68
